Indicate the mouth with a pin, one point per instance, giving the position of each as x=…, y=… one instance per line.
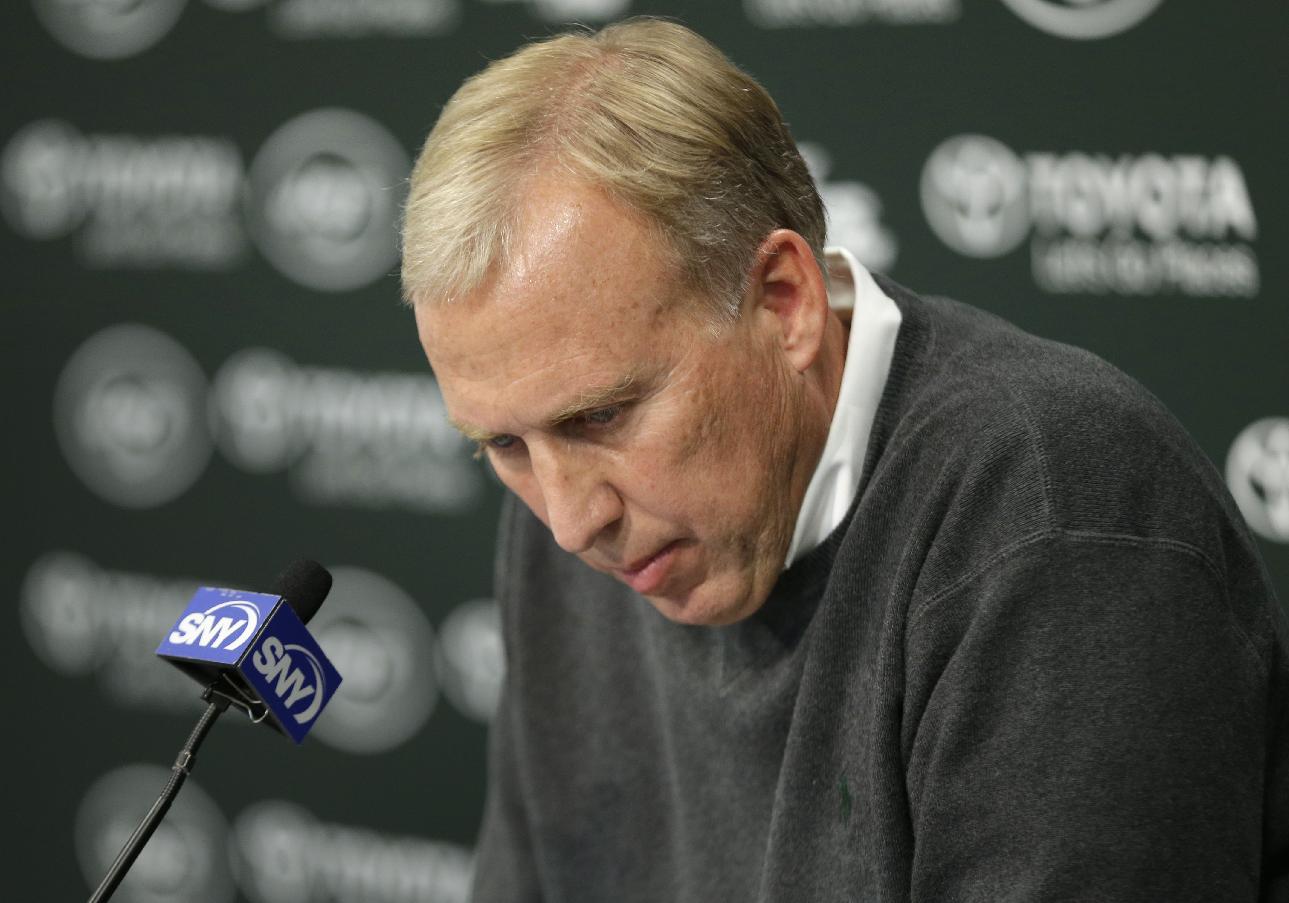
x=647, y=574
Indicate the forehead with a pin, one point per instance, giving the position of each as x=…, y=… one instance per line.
x=582, y=299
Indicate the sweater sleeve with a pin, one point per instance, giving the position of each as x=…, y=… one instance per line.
x=1086, y=722
x=505, y=870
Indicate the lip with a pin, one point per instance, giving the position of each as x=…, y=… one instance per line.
x=648, y=574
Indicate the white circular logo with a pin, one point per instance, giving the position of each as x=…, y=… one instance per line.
x=42, y=167
x=973, y=195
x=1083, y=19
x=382, y=644
x=1257, y=472
x=472, y=660
x=326, y=190
x=109, y=29
x=129, y=412
x=185, y=860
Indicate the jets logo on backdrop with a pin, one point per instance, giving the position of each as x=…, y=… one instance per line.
x=381, y=640
x=185, y=860
x=326, y=189
x=1098, y=223
x=854, y=213
x=284, y=854
x=129, y=413
x=1083, y=19
x=1257, y=472
x=109, y=29
x=129, y=200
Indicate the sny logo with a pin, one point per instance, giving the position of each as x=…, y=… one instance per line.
x=273, y=660
x=213, y=631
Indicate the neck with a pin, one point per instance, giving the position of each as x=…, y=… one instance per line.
x=821, y=390
x=831, y=362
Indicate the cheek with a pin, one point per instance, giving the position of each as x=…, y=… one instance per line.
x=710, y=427
x=747, y=419
x=720, y=463
x=717, y=447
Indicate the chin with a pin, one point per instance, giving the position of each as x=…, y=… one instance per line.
x=710, y=604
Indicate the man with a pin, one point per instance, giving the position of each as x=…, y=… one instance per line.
x=896, y=603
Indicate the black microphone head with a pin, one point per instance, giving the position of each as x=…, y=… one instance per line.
x=305, y=584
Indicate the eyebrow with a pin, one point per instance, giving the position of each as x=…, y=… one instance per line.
x=588, y=400
x=595, y=397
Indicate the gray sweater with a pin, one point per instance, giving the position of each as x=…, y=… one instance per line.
x=1040, y=660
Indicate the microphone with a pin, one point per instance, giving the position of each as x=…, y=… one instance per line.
x=304, y=584
x=252, y=651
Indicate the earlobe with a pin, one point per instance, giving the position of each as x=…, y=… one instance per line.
x=792, y=292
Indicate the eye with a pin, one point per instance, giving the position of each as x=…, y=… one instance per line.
x=603, y=416
x=499, y=444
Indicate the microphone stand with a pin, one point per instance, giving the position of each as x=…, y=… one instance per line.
x=216, y=704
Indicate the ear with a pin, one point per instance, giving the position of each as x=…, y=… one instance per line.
x=790, y=296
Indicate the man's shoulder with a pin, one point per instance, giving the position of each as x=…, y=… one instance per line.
x=980, y=360
x=1015, y=439
x=1019, y=434
x=986, y=388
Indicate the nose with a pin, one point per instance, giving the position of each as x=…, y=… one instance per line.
x=578, y=500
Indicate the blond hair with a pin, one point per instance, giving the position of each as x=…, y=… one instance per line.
x=646, y=110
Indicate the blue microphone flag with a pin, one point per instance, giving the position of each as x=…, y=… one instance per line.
x=256, y=641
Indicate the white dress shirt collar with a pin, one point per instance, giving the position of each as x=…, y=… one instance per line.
x=874, y=324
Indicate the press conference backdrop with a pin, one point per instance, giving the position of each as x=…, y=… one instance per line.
x=207, y=370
